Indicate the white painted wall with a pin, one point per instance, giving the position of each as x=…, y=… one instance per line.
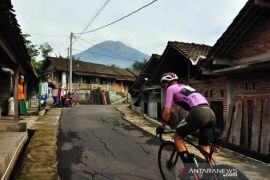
x=64, y=80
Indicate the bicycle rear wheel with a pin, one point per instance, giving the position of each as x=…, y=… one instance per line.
x=167, y=158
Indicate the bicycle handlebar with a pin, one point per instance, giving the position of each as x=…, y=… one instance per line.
x=165, y=132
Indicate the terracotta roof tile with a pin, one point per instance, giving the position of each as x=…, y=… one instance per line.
x=11, y=31
x=82, y=67
x=191, y=50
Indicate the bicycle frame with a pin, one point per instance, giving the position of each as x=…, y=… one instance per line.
x=206, y=155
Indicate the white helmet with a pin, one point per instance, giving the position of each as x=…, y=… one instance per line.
x=168, y=77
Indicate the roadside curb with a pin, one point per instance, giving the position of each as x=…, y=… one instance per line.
x=40, y=157
x=8, y=161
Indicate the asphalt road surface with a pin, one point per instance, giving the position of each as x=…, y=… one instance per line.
x=95, y=142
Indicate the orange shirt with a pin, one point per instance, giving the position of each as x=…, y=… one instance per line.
x=20, y=91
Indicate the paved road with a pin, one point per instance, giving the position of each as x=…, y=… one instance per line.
x=94, y=142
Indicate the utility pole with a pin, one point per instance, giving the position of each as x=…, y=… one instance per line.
x=70, y=63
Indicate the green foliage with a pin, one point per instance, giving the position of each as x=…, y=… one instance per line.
x=74, y=58
x=45, y=49
x=114, y=66
x=37, y=64
x=31, y=49
x=138, y=65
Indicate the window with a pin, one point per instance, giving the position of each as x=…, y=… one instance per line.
x=246, y=86
x=222, y=93
x=211, y=93
x=206, y=93
x=253, y=85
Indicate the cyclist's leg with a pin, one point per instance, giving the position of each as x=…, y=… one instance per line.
x=185, y=128
x=207, y=131
x=179, y=143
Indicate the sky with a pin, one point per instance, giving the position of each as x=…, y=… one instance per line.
x=148, y=30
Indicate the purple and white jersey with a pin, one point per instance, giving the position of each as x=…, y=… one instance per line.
x=184, y=95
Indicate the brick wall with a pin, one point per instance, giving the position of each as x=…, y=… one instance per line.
x=214, y=90
x=257, y=86
x=256, y=42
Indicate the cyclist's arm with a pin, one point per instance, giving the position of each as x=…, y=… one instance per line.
x=166, y=116
x=167, y=107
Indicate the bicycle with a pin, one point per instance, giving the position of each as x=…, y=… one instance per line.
x=169, y=158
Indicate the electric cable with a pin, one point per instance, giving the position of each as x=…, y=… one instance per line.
x=119, y=18
x=92, y=20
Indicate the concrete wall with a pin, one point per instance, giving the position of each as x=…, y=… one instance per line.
x=95, y=96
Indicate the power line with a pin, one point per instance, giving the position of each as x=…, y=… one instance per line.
x=89, y=52
x=119, y=56
x=96, y=15
x=119, y=18
x=54, y=35
x=92, y=20
x=61, y=44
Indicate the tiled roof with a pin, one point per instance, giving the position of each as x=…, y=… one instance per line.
x=244, y=23
x=190, y=50
x=11, y=31
x=82, y=67
x=147, y=71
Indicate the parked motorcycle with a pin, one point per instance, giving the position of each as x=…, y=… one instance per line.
x=67, y=100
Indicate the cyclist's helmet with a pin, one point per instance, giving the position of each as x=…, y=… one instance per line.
x=168, y=77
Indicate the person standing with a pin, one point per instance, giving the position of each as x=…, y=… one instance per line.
x=21, y=98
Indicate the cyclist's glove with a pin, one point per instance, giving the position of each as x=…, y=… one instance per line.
x=159, y=130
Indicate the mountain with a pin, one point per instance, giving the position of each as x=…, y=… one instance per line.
x=112, y=52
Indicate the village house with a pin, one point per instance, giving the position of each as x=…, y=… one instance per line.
x=241, y=56
x=14, y=61
x=86, y=76
x=178, y=57
x=147, y=97
x=233, y=75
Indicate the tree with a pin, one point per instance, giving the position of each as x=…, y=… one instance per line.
x=45, y=49
x=31, y=49
x=113, y=66
x=138, y=65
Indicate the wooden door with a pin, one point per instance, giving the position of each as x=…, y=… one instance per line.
x=217, y=107
x=247, y=123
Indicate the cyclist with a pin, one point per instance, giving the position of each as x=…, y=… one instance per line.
x=200, y=117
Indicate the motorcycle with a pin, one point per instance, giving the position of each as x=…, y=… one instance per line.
x=67, y=100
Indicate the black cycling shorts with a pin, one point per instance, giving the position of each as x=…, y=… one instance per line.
x=200, y=118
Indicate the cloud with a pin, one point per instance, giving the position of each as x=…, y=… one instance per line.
x=149, y=30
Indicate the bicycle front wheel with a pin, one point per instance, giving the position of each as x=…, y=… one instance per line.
x=167, y=158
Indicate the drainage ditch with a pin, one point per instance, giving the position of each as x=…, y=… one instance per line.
x=18, y=166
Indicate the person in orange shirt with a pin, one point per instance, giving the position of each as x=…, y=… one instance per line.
x=21, y=98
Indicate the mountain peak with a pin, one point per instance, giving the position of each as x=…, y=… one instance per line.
x=112, y=52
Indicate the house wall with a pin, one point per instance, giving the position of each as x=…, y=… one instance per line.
x=5, y=92
x=64, y=80
x=84, y=86
x=57, y=79
x=215, y=90
x=250, y=121
x=154, y=101
x=256, y=42
x=33, y=94
x=245, y=86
